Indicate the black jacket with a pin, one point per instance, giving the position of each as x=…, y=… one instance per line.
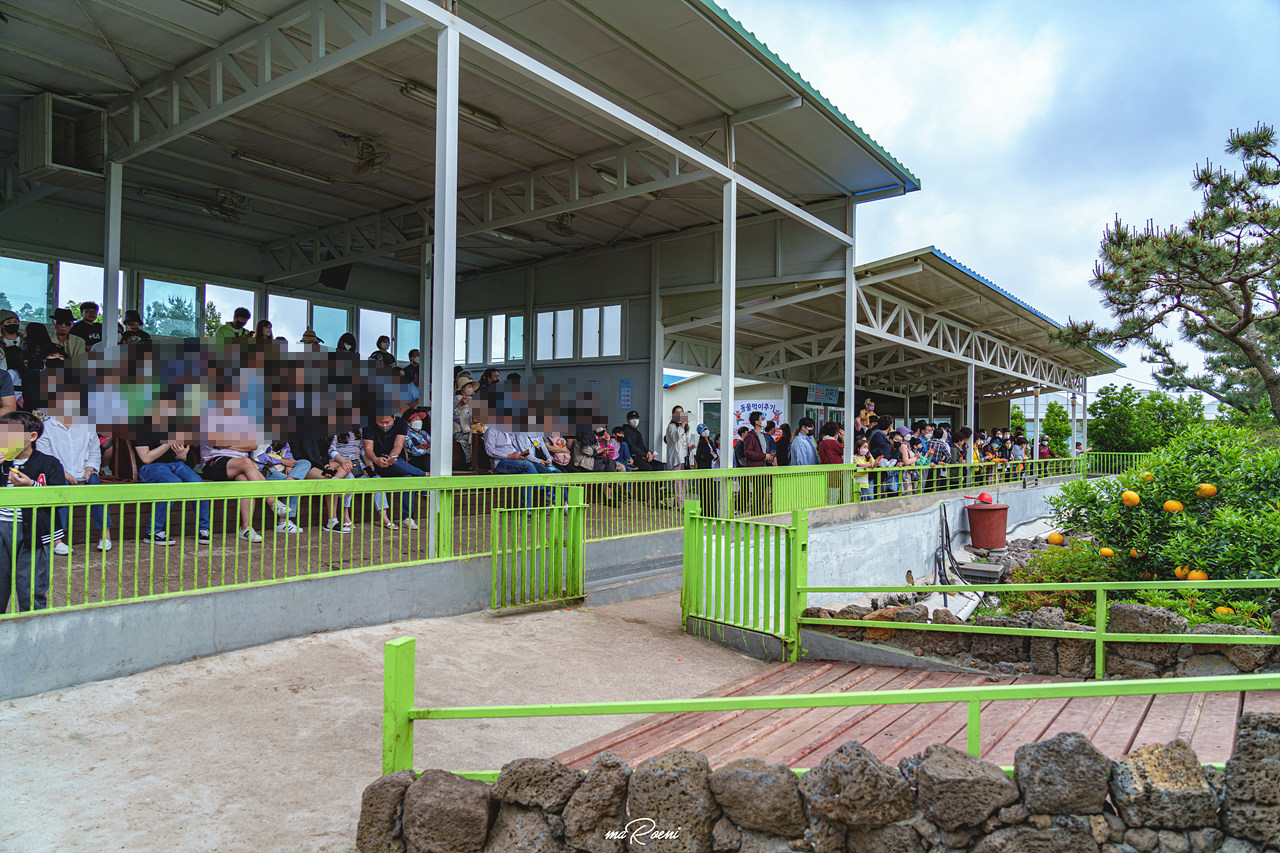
x=635, y=441
x=881, y=445
x=46, y=471
x=703, y=454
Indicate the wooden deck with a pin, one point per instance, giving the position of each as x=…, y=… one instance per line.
x=801, y=737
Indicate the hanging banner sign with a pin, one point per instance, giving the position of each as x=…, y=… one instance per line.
x=742, y=409
x=828, y=394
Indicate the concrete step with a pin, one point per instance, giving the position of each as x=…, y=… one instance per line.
x=611, y=584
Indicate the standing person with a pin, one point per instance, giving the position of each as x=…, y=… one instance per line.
x=680, y=442
x=15, y=351
x=756, y=454
x=133, y=328
x=865, y=462
x=88, y=329
x=867, y=418
x=235, y=327
x=831, y=452
x=783, y=444
x=707, y=457
x=802, y=450
x=382, y=355
x=384, y=439
x=645, y=458
x=26, y=534
x=409, y=376
x=76, y=447
x=72, y=345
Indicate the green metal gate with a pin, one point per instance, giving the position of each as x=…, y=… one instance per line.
x=539, y=552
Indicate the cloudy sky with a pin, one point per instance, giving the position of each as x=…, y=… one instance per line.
x=1032, y=124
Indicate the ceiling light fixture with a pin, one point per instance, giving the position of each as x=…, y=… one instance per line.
x=482, y=120
x=213, y=7
x=610, y=178
x=512, y=238
x=282, y=168
x=172, y=198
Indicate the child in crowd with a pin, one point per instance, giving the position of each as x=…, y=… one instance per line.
x=26, y=534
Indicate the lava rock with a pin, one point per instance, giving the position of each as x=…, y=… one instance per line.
x=1141, y=839
x=522, y=830
x=541, y=782
x=725, y=837
x=853, y=787
x=760, y=796
x=1251, y=806
x=1063, y=775
x=956, y=789
x=997, y=647
x=946, y=643
x=1124, y=667
x=599, y=805
x=1027, y=839
x=894, y=838
x=1126, y=617
x=1173, y=842
x=1163, y=787
x=444, y=813
x=1199, y=666
x=381, y=810
x=883, y=615
x=1075, y=657
x=1204, y=840
x=674, y=791
x=763, y=842
x=1246, y=658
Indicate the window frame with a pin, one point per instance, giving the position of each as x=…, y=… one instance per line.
x=487, y=348
x=578, y=309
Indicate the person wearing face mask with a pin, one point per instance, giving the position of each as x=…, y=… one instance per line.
x=384, y=441
x=235, y=328
x=644, y=458
x=803, y=450
x=14, y=354
x=409, y=375
x=34, y=397
x=26, y=534
x=382, y=354
x=347, y=343
x=418, y=441
x=71, y=344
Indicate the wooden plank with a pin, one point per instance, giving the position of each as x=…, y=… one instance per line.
x=1081, y=715
x=1262, y=702
x=917, y=726
x=1215, y=731
x=1114, y=737
x=1165, y=719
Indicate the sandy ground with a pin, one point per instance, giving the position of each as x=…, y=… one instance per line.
x=269, y=748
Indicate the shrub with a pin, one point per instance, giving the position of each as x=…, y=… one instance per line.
x=1077, y=562
x=1235, y=534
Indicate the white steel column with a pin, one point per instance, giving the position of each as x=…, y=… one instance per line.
x=111, y=255
x=658, y=344
x=969, y=407
x=906, y=408
x=1035, y=443
x=424, y=329
x=850, y=325
x=728, y=329
x=1084, y=411
x=444, y=255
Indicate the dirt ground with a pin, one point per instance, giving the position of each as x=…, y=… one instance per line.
x=269, y=748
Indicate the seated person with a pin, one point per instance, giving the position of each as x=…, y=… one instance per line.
x=277, y=463
x=417, y=443
x=164, y=461
x=74, y=443
x=558, y=448
x=26, y=534
x=349, y=446
x=309, y=443
x=625, y=459
x=227, y=459
x=384, y=438
x=515, y=453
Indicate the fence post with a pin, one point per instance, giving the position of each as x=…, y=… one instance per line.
x=691, y=559
x=797, y=576
x=576, y=536
x=444, y=506
x=1099, y=629
x=973, y=729
x=397, y=701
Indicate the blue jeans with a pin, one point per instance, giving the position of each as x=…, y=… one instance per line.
x=299, y=472
x=400, y=468
x=97, y=512
x=524, y=466
x=171, y=472
x=379, y=499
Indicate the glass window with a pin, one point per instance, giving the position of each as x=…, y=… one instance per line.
x=475, y=340
x=497, y=338
x=329, y=324
x=170, y=309
x=564, y=333
x=590, y=332
x=24, y=288
x=546, y=335
x=408, y=337
x=83, y=283
x=373, y=325
x=711, y=417
x=220, y=304
x=288, y=316
x=460, y=341
x=611, y=331
x=515, y=338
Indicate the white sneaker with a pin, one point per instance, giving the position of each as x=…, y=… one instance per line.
x=61, y=549
x=250, y=535
x=282, y=508
x=288, y=526
x=409, y=523
x=335, y=526
x=204, y=536
x=104, y=544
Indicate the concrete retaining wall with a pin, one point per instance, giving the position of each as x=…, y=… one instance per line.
x=875, y=543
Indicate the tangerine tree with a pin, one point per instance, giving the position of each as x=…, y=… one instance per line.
x=1215, y=279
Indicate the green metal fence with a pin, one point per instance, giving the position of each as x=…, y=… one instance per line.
x=1099, y=637
x=539, y=554
x=448, y=518
x=1104, y=464
x=399, y=713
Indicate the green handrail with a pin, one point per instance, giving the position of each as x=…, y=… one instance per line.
x=399, y=713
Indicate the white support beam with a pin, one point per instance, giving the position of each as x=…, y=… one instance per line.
x=245, y=71
x=969, y=413
x=852, y=287
x=111, y=254
x=444, y=267
x=750, y=114
x=728, y=342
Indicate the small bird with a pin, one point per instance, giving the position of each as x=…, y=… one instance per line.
x=911, y=579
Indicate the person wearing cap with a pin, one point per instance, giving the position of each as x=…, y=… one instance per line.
x=14, y=358
x=644, y=457
x=1044, y=451
x=72, y=345
x=236, y=328
x=88, y=329
x=310, y=341
x=464, y=387
x=417, y=443
x=133, y=326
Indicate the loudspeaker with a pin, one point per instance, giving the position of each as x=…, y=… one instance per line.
x=336, y=277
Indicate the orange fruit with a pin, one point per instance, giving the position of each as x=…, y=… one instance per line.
x=1224, y=610
x=1147, y=477
x=1206, y=490
x=1173, y=506
x=1146, y=576
x=1197, y=575
x=1056, y=538
x=1130, y=498
x=1135, y=553
x=1107, y=552
x=1181, y=572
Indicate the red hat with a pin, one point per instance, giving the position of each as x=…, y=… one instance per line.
x=417, y=416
